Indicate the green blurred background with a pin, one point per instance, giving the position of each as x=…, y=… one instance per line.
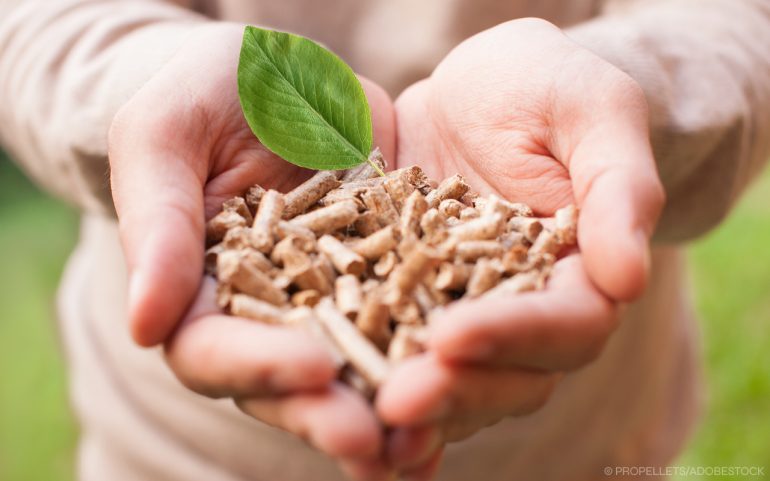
x=730, y=269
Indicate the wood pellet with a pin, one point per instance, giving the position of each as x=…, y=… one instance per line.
x=362, y=260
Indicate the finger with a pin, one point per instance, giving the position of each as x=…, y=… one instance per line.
x=383, y=119
x=561, y=327
x=367, y=470
x=445, y=391
x=336, y=420
x=415, y=139
x=157, y=177
x=217, y=355
x=459, y=428
x=427, y=471
x=222, y=356
x=411, y=447
x=620, y=196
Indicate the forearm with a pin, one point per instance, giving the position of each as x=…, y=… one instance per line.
x=704, y=67
x=66, y=67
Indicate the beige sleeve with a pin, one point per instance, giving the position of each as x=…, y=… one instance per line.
x=705, y=68
x=66, y=66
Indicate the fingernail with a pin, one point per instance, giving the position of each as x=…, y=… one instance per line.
x=413, y=446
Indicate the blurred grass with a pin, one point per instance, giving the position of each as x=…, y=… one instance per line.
x=731, y=270
x=731, y=273
x=37, y=434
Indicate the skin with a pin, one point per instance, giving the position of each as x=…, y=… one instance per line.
x=519, y=110
x=522, y=111
x=171, y=169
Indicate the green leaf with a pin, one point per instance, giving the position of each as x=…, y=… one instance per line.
x=302, y=101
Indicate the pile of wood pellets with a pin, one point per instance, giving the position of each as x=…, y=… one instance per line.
x=361, y=261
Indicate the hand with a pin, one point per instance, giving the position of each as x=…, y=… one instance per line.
x=522, y=111
x=178, y=149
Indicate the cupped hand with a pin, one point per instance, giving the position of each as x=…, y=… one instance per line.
x=522, y=111
x=178, y=149
x=281, y=376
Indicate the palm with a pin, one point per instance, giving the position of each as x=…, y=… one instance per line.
x=211, y=114
x=511, y=162
x=498, y=110
x=240, y=161
x=207, y=129
x=525, y=112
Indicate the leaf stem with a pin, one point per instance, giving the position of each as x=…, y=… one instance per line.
x=375, y=154
x=375, y=167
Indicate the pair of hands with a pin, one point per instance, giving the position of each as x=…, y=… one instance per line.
x=519, y=110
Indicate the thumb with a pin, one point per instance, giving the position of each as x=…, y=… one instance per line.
x=157, y=186
x=620, y=196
